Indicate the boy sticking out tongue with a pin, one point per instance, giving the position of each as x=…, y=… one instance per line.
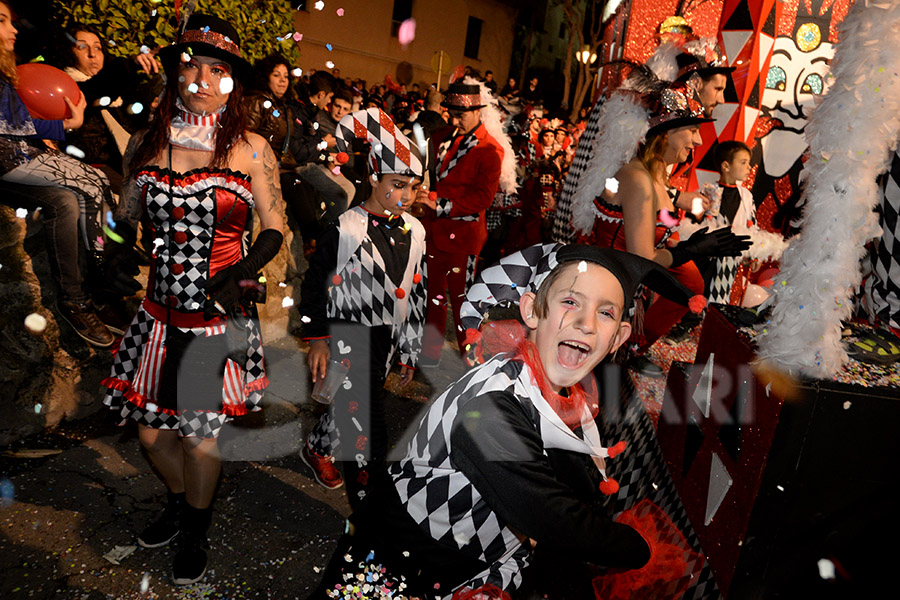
x=509, y=457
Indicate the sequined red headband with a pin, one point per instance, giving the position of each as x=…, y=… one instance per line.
x=222, y=42
x=463, y=100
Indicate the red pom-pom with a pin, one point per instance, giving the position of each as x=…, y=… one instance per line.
x=697, y=304
x=417, y=278
x=341, y=158
x=473, y=336
x=609, y=487
x=337, y=279
x=432, y=195
x=400, y=293
x=617, y=449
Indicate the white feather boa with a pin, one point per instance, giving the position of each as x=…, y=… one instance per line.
x=622, y=126
x=851, y=137
x=493, y=124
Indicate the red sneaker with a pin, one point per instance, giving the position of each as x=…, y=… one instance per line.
x=323, y=468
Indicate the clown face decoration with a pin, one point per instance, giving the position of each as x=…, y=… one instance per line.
x=798, y=76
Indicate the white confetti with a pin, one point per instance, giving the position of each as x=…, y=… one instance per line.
x=136, y=108
x=145, y=583
x=37, y=408
x=104, y=101
x=287, y=302
x=204, y=85
x=145, y=49
x=193, y=88
x=305, y=319
x=185, y=57
x=298, y=72
x=319, y=5
x=847, y=405
x=75, y=151
x=461, y=539
x=612, y=184
x=35, y=323
x=282, y=284
x=322, y=145
x=316, y=126
x=329, y=64
x=582, y=267
x=780, y=489
x=826, y=568
x=226, y=85
x=21, y=212
x=267, y=104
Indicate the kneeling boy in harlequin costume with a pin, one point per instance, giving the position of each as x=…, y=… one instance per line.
x=510, y=455
x=363, y=301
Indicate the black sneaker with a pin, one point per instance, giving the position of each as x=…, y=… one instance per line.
x=166, y=527
x=84, y=320
x=189, y=564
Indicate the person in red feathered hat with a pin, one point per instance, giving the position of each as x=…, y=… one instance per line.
x=468, y=165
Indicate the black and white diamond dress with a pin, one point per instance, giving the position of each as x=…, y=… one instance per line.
x=171, y=370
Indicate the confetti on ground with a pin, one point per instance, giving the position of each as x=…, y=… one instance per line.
x=117, y=554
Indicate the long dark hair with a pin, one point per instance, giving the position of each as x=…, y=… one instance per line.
x=264, y=67
x=232, y=127
x=64, y=53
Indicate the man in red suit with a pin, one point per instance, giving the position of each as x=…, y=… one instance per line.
x=465, y=179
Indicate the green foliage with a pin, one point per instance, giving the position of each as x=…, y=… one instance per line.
x=265, y=26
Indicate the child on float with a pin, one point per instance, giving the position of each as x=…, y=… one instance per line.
x=731, y=206
x=363, y=303
x=510, y=456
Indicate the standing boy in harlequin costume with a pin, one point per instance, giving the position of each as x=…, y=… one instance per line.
x=731, y=205
x=473, y=158
x=363, y=300
x=510, y=456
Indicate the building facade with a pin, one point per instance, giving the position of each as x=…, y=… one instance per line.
x=364, y=42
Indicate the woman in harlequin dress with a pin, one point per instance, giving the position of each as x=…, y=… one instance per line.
x=191, y=358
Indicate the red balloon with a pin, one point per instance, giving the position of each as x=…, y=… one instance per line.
x=42, y=89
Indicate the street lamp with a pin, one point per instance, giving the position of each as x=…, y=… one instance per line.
x=585, y=55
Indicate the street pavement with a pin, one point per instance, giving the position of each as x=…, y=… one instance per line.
x=73, y=500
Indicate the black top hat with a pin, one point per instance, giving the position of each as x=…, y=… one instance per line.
x=463, y=96
x=206, y=35
x=631, y=270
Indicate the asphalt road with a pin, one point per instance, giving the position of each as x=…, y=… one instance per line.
x=273, y=525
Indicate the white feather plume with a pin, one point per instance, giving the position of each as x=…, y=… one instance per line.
x=623, y=125
x=493, y=123
x=851, y=136
x=663, y=62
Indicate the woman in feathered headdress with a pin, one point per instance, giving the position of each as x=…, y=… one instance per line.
x=644, y=129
